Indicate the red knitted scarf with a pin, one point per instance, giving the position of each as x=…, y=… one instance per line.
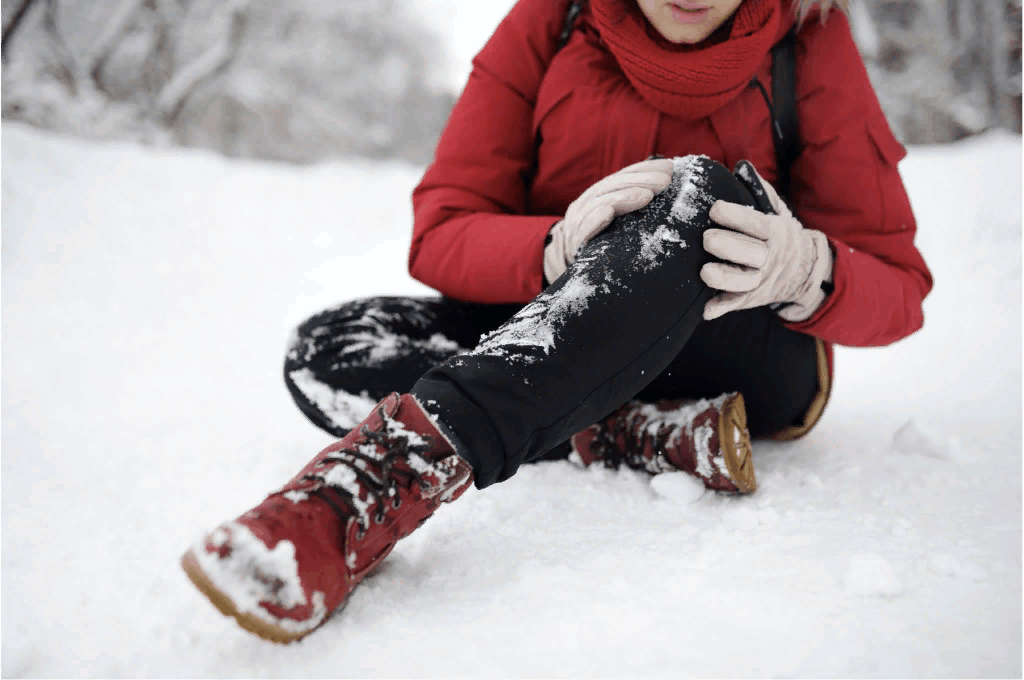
x=690, y=82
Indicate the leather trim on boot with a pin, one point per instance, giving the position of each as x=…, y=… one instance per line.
x=734, y=443
x=817, y=407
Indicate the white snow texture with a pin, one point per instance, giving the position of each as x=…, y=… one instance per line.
x=148, y=298
x=251, y=573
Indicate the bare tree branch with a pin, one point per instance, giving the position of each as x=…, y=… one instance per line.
x=105, y=42
x=12, y=25
x=205, y=66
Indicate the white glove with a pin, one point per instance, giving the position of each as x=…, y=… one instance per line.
x=627, y=190
x=775, y=260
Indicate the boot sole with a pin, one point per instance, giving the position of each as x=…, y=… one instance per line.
x=739, y=455
x=225, y=606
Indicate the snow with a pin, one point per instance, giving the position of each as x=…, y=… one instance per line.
x=528, y=328
x=537, y=327
x=689, y=175
x=148, y=299
x=251, y=573
x=914, y=439
x=702, y=441
x=343, y=409
x=870, y=574
x=653, y=245
x=343, y=478
x=678, y=486
x=681, y=418
x=751, y=180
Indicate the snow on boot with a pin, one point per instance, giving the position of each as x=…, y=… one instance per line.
x=282, y=568
x=707, y=439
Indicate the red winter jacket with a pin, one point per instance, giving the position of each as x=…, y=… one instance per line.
x=480, y=224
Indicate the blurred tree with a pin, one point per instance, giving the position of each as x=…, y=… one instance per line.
x=310, y=76
x=944, y=69
x=12, y=11
x=297, y=81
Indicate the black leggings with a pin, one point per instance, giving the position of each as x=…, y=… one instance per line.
x=623, y=322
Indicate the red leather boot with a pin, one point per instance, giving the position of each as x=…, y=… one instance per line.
x=282, y=568
x=707, y=439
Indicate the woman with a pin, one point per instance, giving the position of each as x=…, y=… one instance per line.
x=652, y=312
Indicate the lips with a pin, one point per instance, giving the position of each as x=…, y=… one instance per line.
x=689, y=5
x=688, y=12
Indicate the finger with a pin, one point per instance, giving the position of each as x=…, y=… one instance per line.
x=593, y=223
x=730, y=277
x=660, y=165
x=654, y=181
x=628, y=200
x=621, y=202
x=654, y=174
x=736, y=247
x=722, y=304
x=741, y=218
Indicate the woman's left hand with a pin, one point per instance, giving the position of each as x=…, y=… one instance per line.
x=769, y=259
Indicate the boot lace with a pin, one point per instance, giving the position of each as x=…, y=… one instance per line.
x=397, y=447
x=607, y=448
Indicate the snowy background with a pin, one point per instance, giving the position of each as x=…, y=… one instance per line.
x=148, y=294
x=305, y=80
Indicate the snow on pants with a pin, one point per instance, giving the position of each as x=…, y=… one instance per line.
x=624, y=321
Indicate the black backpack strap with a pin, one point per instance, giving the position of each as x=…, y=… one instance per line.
x=571, y=15
x=787, y=124
x=575, y=7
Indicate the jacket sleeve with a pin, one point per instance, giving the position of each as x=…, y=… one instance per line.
x=846, y=185
x=471, y=237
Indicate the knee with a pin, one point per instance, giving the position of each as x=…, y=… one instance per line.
x=671, y=226
x=697, y=182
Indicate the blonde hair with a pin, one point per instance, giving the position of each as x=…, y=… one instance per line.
x=803, y=7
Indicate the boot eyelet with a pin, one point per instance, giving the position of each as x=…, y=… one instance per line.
x=397, y=503
x=378, y=519
x=360, y=534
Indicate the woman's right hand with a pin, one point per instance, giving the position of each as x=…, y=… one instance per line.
x=627, y=190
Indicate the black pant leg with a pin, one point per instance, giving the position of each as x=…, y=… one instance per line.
x=597, y=336
x=345, y=359
x=748, y=351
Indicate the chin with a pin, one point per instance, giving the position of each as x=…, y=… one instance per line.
x=688, y=40
x=682, y=34
x=687, y=37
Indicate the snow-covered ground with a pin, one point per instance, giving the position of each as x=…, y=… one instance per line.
x=147, y=298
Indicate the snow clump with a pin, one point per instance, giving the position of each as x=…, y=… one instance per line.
x=692, y=179
x=913, y=438
x=249, y=573
x=652, y=245
x=678, y=486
